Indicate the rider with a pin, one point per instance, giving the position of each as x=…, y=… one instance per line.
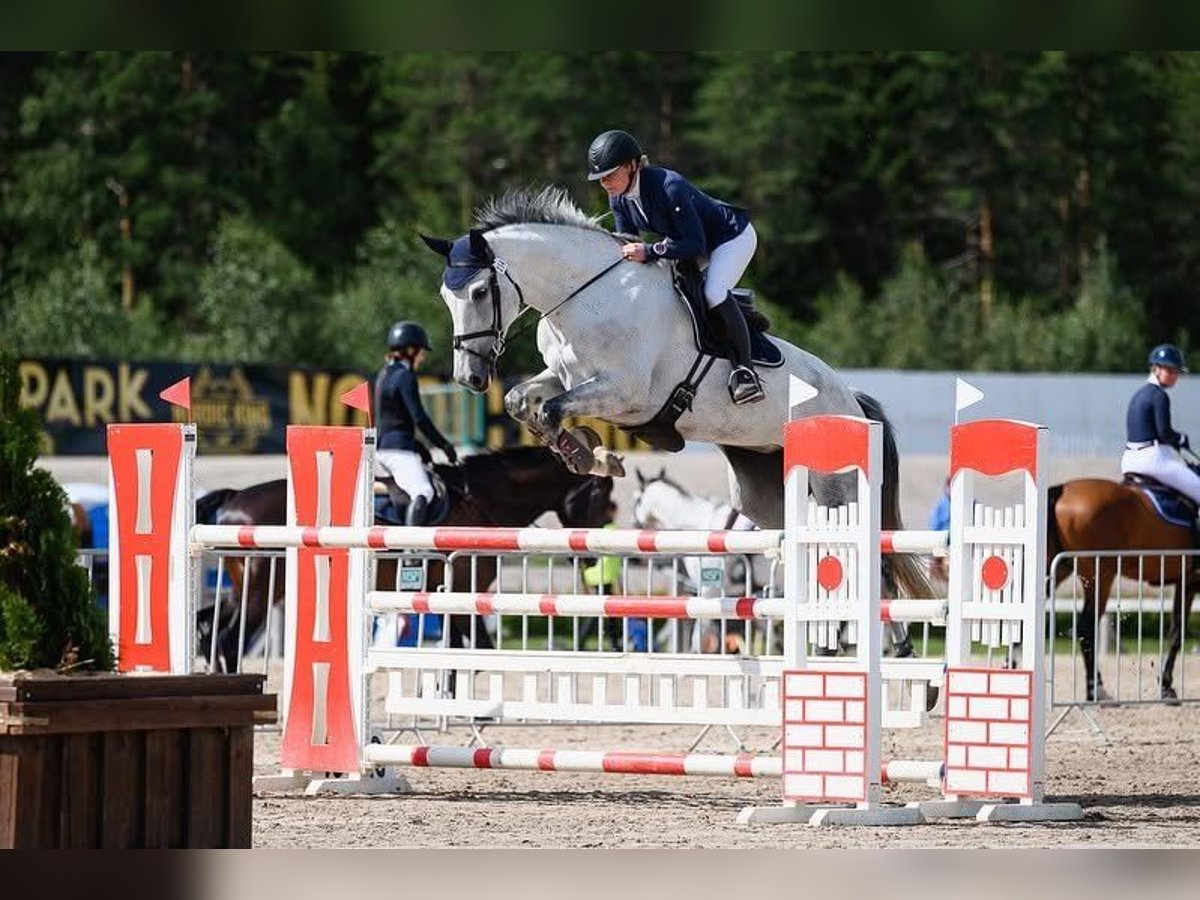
x=1153, y=445
x=399, y=413
x=692, y=225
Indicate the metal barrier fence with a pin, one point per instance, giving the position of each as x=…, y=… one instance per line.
x=1127, y=601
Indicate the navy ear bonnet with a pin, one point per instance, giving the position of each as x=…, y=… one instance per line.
x=463, y=263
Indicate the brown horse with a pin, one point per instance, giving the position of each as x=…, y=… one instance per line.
x=1095, y=514
x=510, y=487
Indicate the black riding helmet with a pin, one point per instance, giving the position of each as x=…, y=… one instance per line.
x=610, y=150
x=407, y=334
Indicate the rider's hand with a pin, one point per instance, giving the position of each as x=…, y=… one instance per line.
x=634, y=252
x=451, y=454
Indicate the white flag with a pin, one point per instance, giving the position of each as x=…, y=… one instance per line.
x=965, y=395
x=799, y=392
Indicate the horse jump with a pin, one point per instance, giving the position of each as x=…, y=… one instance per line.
x=328, y=663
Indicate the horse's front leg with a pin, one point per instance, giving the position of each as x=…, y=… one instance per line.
x=598, y=398
x=525, y=402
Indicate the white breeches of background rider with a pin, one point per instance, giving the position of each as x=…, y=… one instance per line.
x=726, y=265
x=1164, y=463
x=409, y=472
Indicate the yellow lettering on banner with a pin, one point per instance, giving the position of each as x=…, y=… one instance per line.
x=62, y=406
x=98, y=394
x=307, y=406
x=339, y=412
x=129, y=394
x=35, y=384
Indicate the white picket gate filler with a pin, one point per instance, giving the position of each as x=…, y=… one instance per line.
x=831, y=560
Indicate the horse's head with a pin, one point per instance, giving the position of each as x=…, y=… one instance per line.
x=587, y=504
x=655, y=498
x=483, y=301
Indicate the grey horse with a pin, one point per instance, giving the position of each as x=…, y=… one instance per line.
x=616, y=339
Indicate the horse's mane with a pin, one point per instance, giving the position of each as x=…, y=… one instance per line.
x=546, y=205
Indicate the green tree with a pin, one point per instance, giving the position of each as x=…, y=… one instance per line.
x=47, y=615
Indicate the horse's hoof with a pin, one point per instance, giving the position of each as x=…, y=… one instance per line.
x=1167, y=693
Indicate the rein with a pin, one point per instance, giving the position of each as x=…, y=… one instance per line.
x=497, y=266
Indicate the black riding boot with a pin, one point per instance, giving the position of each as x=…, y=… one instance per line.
x=416, y=511
x=744, y=386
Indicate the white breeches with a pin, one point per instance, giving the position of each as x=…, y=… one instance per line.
x=1164, y=463
x=409, y=472
x=726, y=265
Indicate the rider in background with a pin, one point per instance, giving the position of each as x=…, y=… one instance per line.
x=1153, y=446
x=399, y=413
x=692, y=225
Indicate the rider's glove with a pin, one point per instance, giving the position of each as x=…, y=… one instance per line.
x=451, y=453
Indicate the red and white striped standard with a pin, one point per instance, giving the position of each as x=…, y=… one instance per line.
x=617, y=606
x=496, y=540
x=617, y=762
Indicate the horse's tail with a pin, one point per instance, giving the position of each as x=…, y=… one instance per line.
x=907, y=571
x=210, y=504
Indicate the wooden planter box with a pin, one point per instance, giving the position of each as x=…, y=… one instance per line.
x=128, y=760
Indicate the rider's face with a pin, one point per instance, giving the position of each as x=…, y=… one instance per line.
x=1166, y=375
x=616, y=183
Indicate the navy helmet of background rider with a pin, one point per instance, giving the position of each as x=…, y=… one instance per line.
x=609, y=151
x=1168, y=355
x=407, y=334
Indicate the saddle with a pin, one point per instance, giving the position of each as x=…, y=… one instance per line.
x=711, y=345
x=1171, y=506
x=709, y=335
x=390, y=512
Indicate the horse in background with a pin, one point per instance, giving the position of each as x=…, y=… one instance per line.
x=504, y=488
x=1094, y=514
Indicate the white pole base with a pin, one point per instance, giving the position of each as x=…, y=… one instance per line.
x=1030, y=812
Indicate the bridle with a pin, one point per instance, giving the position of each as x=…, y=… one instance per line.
x=496, y=267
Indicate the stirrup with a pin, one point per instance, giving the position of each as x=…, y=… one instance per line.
x=744, y=386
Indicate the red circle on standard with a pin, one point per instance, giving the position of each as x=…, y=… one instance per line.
x=995, y=573
x=829, y=573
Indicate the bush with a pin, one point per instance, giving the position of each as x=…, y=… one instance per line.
x=47, y=615
x=75, y=311
x=257, y=302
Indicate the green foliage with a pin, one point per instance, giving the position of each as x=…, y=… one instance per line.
x=75, y=310
x=47, y=615
x=257, y=302
x=1030, y=209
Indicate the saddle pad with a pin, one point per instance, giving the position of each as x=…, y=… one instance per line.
x=1171, y=506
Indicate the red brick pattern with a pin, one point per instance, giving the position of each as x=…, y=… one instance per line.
x=989, y=732
x=824, y=736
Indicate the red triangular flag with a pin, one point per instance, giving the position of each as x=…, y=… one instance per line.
x=359, y=398
x=180, y=393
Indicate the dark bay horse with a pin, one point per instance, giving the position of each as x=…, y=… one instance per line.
x=509, y=488
x=1095, y=514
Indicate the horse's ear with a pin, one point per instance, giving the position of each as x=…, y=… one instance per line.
x=641, y=478
x=479, y=245
x=662, y=476
x=440, y=246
